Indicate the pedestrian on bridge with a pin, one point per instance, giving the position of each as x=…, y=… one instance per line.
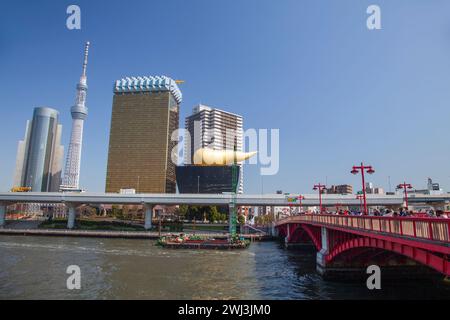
x=403, y=212
x=431, y=213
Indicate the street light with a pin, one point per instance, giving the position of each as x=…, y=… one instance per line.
x=360, y=197
x=405, y=186
x=300, y=198
x=369, y=170
x=320, y=187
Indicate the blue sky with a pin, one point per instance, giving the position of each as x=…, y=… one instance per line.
x=339, y=93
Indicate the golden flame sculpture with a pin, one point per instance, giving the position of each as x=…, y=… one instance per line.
x=210, y=157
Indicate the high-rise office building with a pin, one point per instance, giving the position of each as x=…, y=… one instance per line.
x=214, y=129
x=145, y=113
x=71, y=180
x=40, y=154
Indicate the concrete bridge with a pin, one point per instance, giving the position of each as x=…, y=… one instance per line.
x=73, y=200
x=346, y=243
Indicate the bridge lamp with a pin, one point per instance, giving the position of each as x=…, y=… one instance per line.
x=405, y=186
x=319, y=187
x=361, y=169
x=360, y=197
x=300, y=198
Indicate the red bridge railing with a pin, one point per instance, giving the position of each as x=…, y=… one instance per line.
x=427, y=228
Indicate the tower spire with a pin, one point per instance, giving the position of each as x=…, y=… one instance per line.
x=79, y=113
x=85, y=61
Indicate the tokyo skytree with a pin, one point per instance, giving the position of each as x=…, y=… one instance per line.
x=79, y=113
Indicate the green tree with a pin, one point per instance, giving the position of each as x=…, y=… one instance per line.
x=116, y=212
x=214, y=214
x=182, y=211
x=193, y=213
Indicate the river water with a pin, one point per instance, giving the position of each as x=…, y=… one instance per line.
x=35, y=268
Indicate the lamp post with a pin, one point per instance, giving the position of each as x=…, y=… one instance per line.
x=405, y=186
x=360, y=197
x=300, y=198
x=369, y=170
x=320, y=188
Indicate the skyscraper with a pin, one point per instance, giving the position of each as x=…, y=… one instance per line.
x=79, y=113
x=40, y=154
x=215, y=129
x=145, y=113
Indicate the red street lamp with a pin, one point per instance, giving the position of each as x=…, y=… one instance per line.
x=300, y=198
x=369, y=170
x=405, y=186
x=320, y=187
x=360, y=197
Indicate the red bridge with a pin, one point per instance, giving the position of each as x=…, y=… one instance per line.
x=346, y=242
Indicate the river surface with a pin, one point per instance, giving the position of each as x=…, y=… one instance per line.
x=35, y=268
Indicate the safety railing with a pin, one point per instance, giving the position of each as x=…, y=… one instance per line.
x=428, y=228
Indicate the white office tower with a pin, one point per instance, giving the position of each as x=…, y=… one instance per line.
x=71, y=180
x=214, y=129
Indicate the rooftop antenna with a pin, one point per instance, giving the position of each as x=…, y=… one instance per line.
x=85, y=61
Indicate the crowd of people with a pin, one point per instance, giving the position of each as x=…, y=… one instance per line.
x=401, y=212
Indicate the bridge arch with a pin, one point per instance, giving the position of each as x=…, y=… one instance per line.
x=302, y=231
x=282, y=230
x=426, y=258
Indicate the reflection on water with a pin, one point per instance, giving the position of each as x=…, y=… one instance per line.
x=35, y=267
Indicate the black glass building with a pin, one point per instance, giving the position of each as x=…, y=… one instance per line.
x=205, y=179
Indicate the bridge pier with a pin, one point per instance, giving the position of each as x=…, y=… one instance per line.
x=148, y=216
x=273, y=230
x=322, y=254
x=71, y=216
x=2, y=214
x=288, y=235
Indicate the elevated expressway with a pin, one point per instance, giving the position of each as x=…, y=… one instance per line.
x=72, y=200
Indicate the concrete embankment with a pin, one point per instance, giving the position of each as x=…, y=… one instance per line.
x=113, y=234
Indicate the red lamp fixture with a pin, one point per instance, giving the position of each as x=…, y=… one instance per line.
x=362, y=168
x=405, y=186
x=320, y=187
